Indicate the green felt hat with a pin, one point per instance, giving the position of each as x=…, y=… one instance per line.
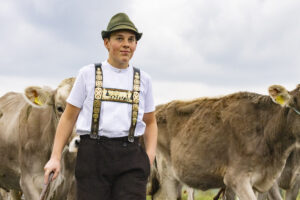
x=120, y=21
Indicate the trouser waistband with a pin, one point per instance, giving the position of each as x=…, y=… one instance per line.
x=104, y=138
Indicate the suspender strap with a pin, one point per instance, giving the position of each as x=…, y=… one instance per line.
x=135, y=103
x=98, y=97
x=97, y=101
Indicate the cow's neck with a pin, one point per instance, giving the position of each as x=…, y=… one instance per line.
x=279, y=140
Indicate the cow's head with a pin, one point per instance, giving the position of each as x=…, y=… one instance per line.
x=54, y=100
x=45, y=96
x=290, y=100
x=61, y=95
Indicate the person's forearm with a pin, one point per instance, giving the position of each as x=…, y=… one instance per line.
x=150, y=138
x=64, y=130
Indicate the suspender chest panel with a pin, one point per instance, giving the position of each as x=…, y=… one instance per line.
x=116, y=95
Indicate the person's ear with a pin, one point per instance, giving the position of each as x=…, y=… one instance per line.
x=106, y=43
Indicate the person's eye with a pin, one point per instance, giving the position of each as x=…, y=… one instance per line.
x=131, y=39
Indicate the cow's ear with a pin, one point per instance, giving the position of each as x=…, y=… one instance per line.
x=38, y=96
x=279, y=95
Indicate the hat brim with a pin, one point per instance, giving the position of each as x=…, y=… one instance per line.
x=106, y=34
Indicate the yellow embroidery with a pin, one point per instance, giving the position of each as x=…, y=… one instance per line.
x=116, y=95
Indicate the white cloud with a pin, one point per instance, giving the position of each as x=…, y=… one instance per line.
x=220, y=42
x=215, y=45
x=18, y=84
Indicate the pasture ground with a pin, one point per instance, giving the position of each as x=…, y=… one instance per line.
x=207, y=195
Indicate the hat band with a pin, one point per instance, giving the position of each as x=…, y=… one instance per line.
x=123, y=24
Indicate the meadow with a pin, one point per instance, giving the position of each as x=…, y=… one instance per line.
x=199, y=195
x=207, y=195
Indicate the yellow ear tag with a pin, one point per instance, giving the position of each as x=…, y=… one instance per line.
x=37, y=101
x=279, y=99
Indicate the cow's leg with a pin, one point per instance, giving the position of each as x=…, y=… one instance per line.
x=3, y=194
x=190, y=192
x=228, y=194
x=30, y=186
x=168, y=189
x=169, y=186
x=179, y=192
x=72, y=192
x=262, y=196
x=274, y=193
x=244, y=191
x=240, y=185
x=292, y=193
x=15, y=195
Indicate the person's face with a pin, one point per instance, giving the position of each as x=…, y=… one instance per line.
x=121, y=46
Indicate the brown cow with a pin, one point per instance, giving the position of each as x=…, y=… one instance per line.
x=27, y=128
x=159, y=171
x=289, y=179
x=240, y=141
x=292, y=193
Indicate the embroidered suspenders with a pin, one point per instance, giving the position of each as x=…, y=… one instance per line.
x=117, y=95
x=135, y=103
x=97, y=101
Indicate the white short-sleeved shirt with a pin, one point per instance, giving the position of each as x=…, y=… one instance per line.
x=115, y=117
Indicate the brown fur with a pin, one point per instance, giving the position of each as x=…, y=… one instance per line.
x=26, y=138
x=241, y=140
x=288, y=180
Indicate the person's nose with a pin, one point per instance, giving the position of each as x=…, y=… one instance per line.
x=126, y=43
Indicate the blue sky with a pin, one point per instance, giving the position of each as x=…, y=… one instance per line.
x=191, y=48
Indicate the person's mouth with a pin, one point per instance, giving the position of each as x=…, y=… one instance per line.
x=125, y=52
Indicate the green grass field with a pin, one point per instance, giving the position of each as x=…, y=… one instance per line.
x=199, y=195
x=207, y=195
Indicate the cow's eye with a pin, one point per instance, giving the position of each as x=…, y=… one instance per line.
x=60, y=109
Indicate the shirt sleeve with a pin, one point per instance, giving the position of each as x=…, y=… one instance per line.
x=78, y=92
x=149, y=100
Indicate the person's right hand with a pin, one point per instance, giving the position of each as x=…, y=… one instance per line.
x=53, y=165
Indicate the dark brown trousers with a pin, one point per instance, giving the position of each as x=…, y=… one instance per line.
x=111, y=170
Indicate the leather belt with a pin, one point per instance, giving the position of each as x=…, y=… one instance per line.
x=104, y=138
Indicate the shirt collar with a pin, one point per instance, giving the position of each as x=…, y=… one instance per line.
x=105, y=63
